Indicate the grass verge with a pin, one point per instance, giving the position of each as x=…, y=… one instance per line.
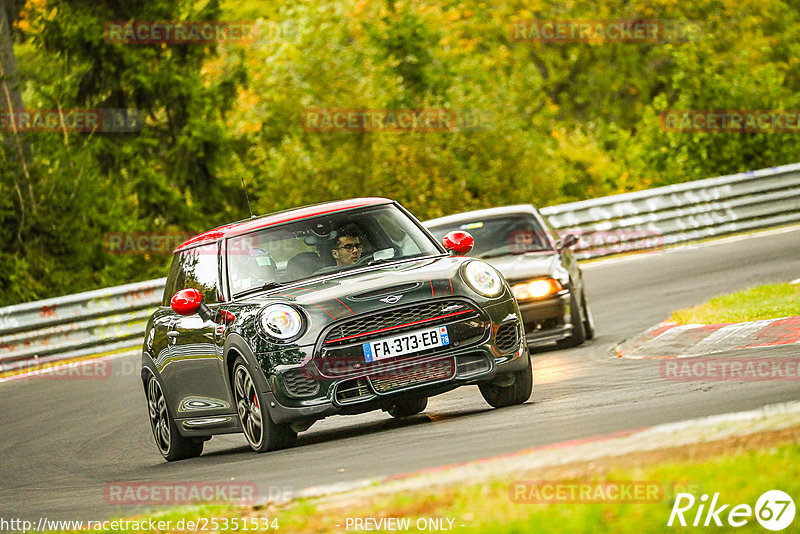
x=740, y=469
x=754, y=304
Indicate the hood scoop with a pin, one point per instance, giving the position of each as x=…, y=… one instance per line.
x=402, y=288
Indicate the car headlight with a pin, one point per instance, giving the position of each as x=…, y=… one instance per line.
x=483, y=279
x=537, y=289
x=281, y=321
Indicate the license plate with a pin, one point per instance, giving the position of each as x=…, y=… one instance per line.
x=407, y=343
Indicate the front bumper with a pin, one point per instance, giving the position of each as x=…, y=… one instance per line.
x=334, y=378
x=381, y=390
x=548, y=320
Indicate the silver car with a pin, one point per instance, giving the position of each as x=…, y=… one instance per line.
x=546, y=279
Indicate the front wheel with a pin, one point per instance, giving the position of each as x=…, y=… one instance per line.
x=261, y=432
x=515, y=393
x=171, y=444
x=578, y=335
x=588, y=322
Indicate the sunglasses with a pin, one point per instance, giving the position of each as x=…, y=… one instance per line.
x=350, y=247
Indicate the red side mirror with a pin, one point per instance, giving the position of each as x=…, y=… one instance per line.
x=186, y=301
x=459, y=242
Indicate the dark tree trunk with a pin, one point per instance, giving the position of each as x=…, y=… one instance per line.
x=11, y=101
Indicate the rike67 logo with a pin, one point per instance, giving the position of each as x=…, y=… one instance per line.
x=774, y=510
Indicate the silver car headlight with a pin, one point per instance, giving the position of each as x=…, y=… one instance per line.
x=483, y=278
x=535, y=289
x=281, y=321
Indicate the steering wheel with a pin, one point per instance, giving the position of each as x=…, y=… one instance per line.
x=364, y=260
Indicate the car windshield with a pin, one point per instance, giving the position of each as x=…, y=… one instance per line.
x=323, y=245
x=500, y=236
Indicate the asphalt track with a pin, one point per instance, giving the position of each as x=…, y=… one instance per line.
x=62, y=441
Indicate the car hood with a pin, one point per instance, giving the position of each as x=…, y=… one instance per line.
x=380, y=287
x=521, y=267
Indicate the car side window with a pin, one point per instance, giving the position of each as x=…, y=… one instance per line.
x=195, y=268
x=174, y=280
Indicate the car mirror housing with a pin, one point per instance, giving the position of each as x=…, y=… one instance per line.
x=568, y=241
x=190, y=301
x=458, y=242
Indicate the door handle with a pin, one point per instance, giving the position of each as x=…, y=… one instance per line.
x=173, y=334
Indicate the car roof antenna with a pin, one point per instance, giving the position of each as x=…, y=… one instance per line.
x=249, y=208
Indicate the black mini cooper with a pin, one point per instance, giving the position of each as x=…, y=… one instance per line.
x=270, y=324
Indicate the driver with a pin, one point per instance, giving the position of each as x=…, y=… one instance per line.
x=347, y=250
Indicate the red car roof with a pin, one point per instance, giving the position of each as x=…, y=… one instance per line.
x=243, y=227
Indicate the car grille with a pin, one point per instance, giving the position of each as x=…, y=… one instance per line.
x=399, y=319
x=413, y=374
x=402, y=377
x=507, y=337
x=299, y=384
x=545, y=324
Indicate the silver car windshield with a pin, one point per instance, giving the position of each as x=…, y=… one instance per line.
x=501, y=236
x=327, y=244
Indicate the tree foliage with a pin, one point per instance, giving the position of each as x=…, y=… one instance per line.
x=558, y=121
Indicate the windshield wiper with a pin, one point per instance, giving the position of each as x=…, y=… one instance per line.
x=383, y=260
x=269, y=285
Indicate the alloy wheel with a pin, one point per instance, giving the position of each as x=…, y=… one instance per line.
x=159, y=418
x=247, y=406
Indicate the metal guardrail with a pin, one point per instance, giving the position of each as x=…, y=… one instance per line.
x=114, y=318
x=682, y=212
x=76, y=325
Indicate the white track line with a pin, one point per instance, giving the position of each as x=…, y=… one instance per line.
x=55, y=368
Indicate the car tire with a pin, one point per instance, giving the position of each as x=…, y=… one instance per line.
x=588, y=321
x=578, y=335
x=516, y=393
x=171, y=444
x=261, y=432
x=408, y=407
